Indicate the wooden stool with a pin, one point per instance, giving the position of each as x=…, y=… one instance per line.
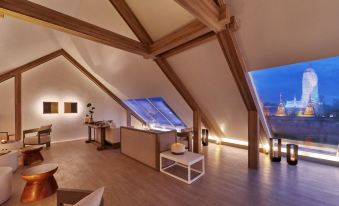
x=32, y=154
x=40, y=182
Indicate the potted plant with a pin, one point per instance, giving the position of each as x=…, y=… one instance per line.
x=90, y=112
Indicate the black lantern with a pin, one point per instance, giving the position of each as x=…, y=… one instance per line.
x=292, y=154
x=204, y=137
x=275, y=149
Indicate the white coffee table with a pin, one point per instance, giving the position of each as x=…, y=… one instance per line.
x=186, y=160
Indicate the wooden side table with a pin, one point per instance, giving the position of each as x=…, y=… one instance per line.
x=40, y=182
x=32, y=154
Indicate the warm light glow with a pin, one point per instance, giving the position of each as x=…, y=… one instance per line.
x=283, y=150
x=266, y=148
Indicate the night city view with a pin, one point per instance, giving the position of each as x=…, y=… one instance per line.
x=301, y=101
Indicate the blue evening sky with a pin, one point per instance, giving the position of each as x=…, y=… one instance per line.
x=287, y=80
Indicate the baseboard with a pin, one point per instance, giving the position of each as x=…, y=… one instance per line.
x=69, y=140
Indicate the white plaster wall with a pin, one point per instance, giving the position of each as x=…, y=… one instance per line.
x=7, y=110
x=58, y=80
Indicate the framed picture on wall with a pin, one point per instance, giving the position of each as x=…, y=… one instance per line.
x=50, y=107
x=70, y=107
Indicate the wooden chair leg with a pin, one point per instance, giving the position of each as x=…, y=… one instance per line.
x=48, y=144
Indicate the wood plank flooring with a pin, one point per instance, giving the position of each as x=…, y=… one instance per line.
x=227, y=180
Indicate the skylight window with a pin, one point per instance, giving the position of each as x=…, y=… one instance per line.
x=156, y=113
x=300, y=103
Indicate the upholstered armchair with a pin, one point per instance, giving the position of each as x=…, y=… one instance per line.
x=6, y=136
x=38, y=136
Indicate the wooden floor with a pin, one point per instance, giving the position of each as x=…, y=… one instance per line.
x=227, y=180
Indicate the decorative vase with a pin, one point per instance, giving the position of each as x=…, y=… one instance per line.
x=87, y=120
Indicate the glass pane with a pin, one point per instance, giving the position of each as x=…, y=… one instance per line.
x=155, y=112
x=301, y=102
x=170, y=115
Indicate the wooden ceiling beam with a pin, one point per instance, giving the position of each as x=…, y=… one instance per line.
x=37, y=14
x=61, y=52
x=236, y=64
x=181, y=36
x=189, y=44
x=132, y=21
x=127, y=14
x=90, y=76
x=208, y=12
x=30, y=65
x=186, y=95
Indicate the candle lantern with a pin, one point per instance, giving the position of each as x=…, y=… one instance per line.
x=204, y=137
x=292, y=154
x=275, y=149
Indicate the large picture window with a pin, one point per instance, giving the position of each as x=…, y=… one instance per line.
x=156, y=112
x=300, y=102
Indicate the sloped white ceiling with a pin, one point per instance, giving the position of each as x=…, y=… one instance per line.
x=282, y=32
x=100, y=13
x=160, y=17
x=207, y=76
x=21, y=43
x=131, y=75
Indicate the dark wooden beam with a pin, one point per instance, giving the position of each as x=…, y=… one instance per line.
x=197, y=132
x=181, y=36
x=183, y=91
x=208, y=12
x=129, y=119
x=132, y=21
x=37, y=14
x=18, y=71
x=190, y=44
x=253, y=140
x=99, y=84
x=30, y=65
x=18, y=113
x=236, y=64
x=135, y=25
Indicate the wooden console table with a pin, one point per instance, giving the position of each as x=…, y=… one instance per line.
x=102, y=128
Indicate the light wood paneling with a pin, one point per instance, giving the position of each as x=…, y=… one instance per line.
x=37, y=14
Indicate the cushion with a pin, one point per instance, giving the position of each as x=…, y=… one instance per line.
x=92, y=199
x=45, y=127
x=34, y=139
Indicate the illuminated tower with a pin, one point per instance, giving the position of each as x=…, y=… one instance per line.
x=310, y=87
x=281, y=109
x=309, y=110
